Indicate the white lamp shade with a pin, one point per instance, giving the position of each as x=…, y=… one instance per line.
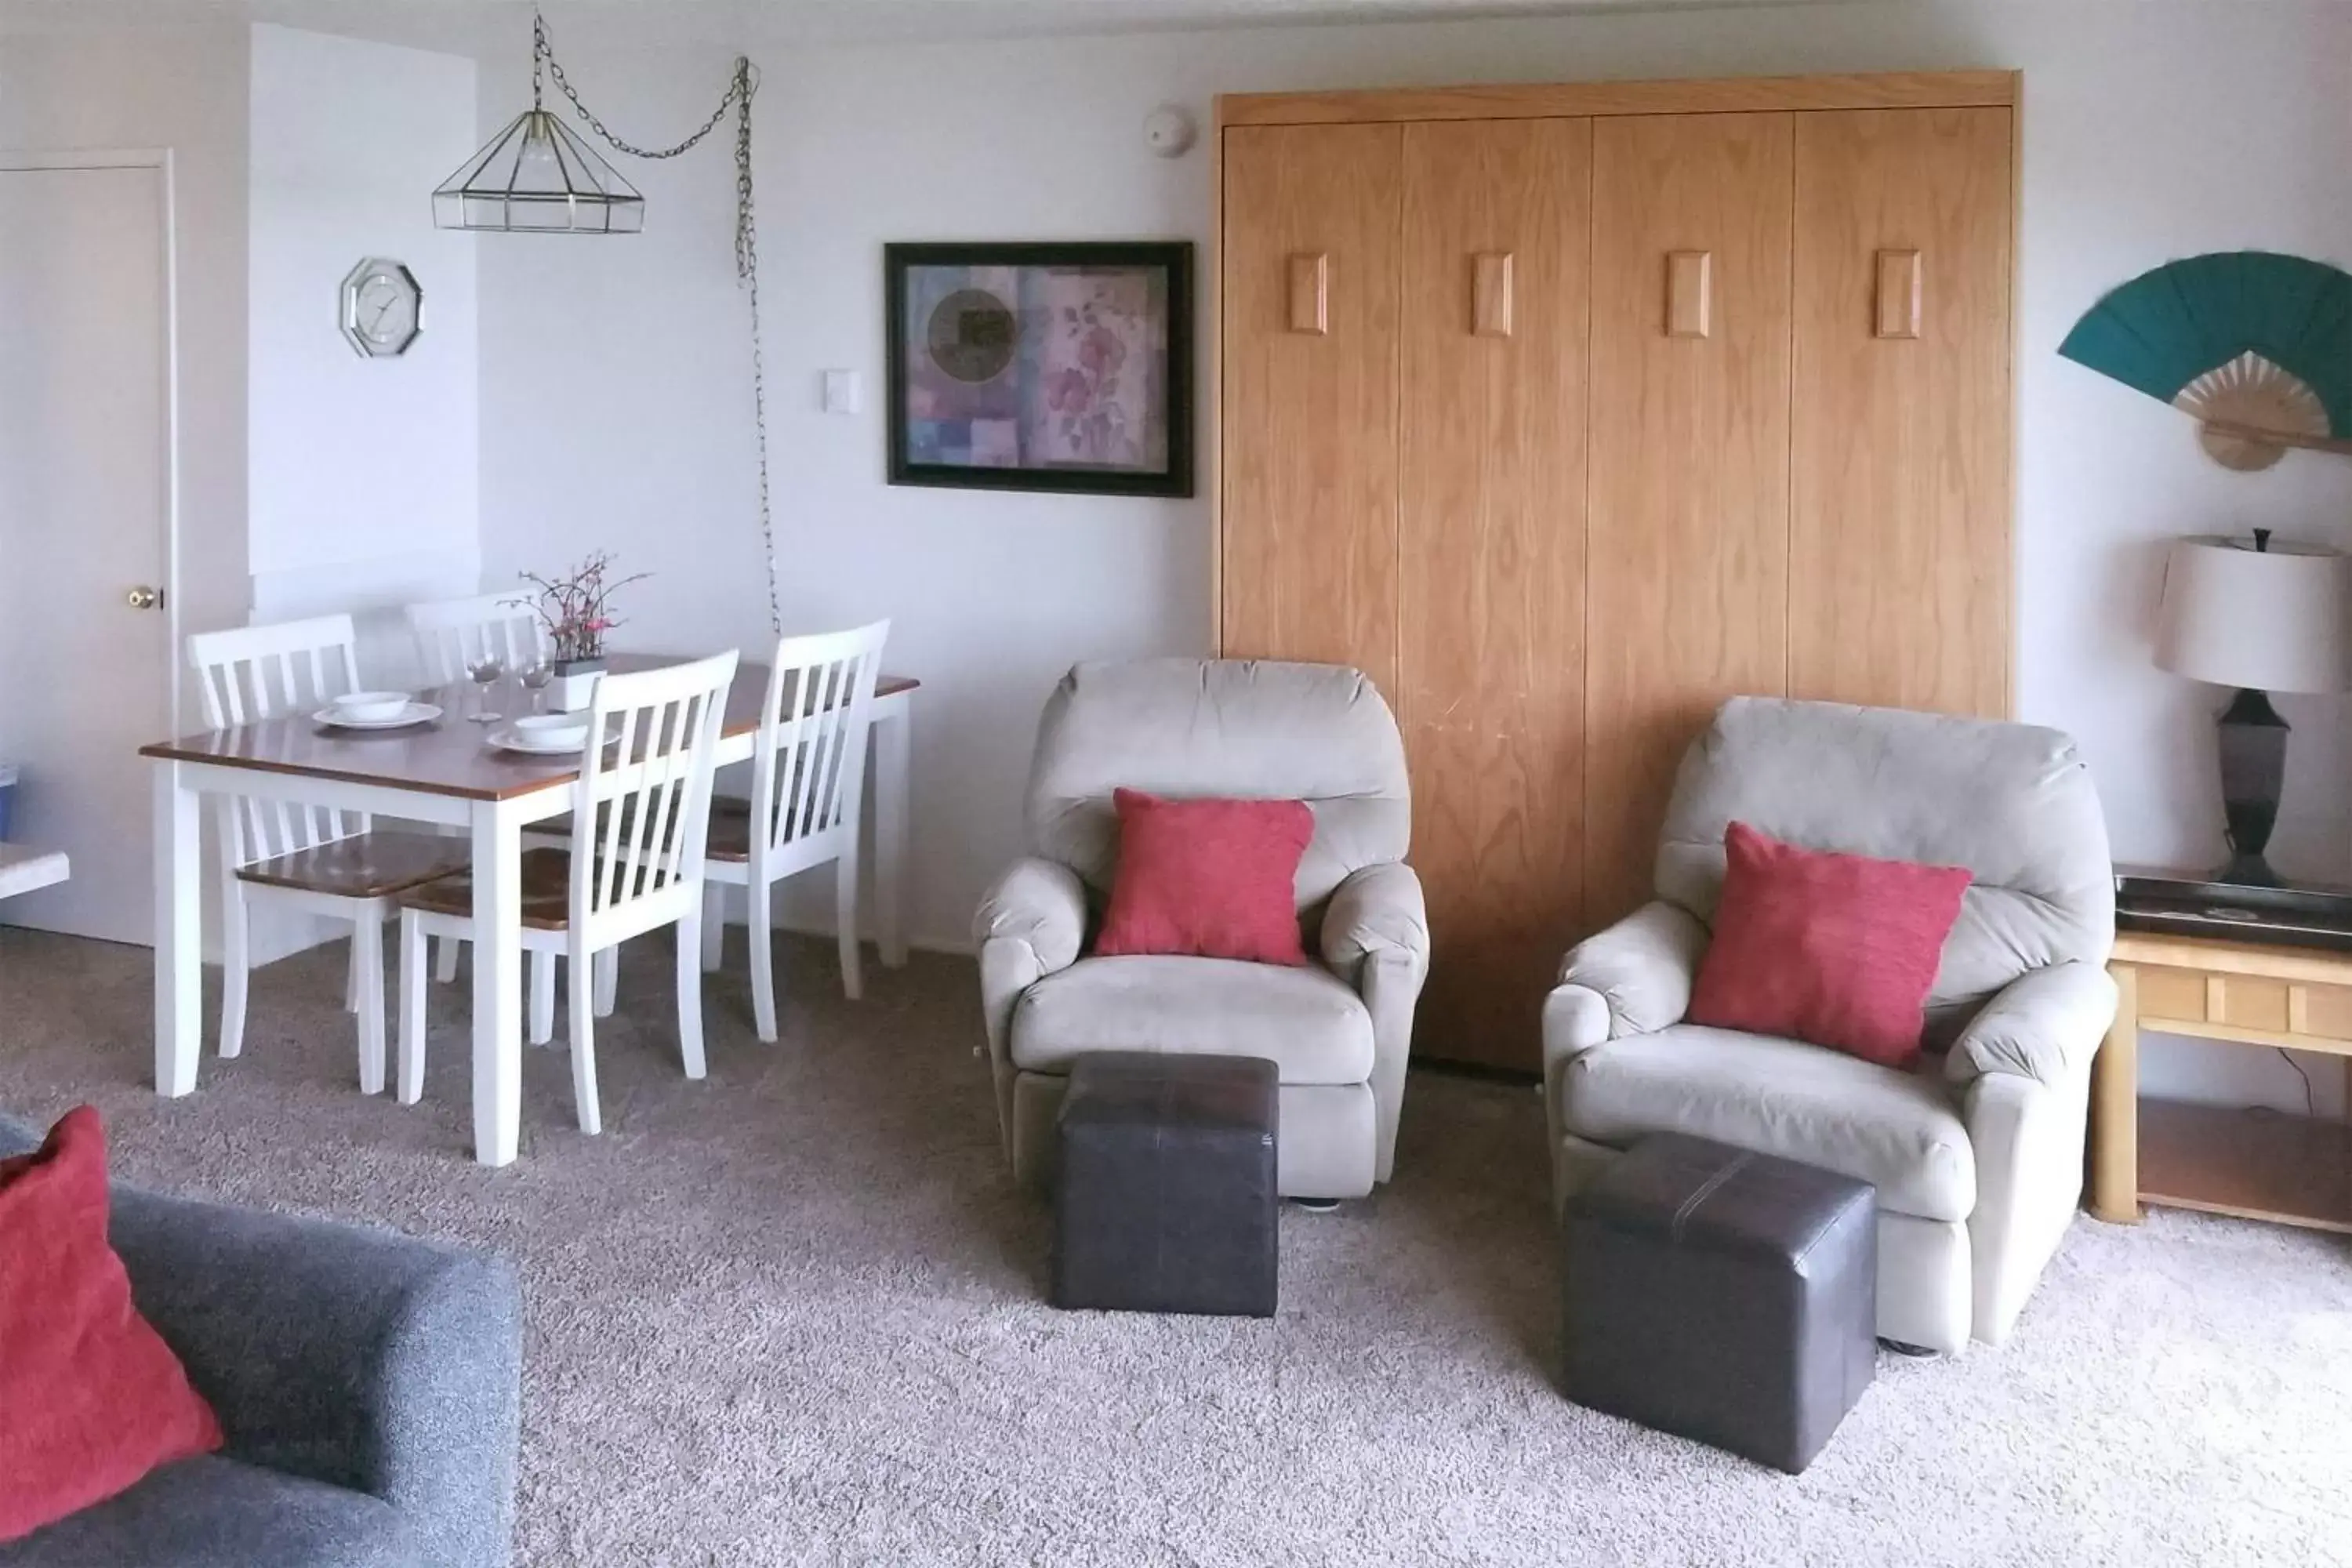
x=2273, y=620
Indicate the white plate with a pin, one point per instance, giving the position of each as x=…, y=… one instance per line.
x=504, y=739
x=414, y=713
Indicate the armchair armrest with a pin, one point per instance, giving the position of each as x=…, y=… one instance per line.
x=1030, y=923
x=1633, y=979
x=2045, y=1026
x=1041, y=905
x=1377, y=914
x=355, y=1357
x=1376, y=938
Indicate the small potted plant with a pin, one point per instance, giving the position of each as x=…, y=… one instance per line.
x=575, y=610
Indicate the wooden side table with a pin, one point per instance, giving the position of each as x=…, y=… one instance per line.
x=2293, y=1169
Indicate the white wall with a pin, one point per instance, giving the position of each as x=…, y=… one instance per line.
x=308, y=479
x=363, y=481
x=615, y=411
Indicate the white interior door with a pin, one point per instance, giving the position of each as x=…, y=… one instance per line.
x=85, y=498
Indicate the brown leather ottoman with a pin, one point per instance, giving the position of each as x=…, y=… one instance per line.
x=1722, y=1295
x=1164, y=1197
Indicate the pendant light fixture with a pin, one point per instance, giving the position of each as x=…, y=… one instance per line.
x=539, y=176
x=536, y=176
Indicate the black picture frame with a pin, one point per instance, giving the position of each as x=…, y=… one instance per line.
x=1173, y=257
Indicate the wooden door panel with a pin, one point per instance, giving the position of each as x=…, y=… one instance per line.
x=1687, y=584
x=1309, y=370
x=1491, y=683
x=1899, y=557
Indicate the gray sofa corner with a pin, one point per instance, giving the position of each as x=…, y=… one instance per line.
x=369, y=1386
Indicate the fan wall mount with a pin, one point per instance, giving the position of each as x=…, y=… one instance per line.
x=2256, y=347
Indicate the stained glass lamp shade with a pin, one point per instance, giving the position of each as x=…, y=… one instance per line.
x=537, y=177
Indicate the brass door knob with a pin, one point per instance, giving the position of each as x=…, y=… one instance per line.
x=144, y=598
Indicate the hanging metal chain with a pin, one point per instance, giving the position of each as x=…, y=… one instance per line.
x=747, y=272
x=739, y=91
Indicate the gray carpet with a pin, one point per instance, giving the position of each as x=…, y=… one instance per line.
x=792, y=1314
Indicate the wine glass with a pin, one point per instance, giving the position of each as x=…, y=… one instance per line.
x=484, y=672
x=536, y=678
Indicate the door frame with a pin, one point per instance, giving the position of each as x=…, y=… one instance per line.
x=160, y=159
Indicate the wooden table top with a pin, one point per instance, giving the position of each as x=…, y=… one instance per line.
x=450, y=755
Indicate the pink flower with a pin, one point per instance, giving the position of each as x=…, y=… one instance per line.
x=1068, y=390
x=1100, y=350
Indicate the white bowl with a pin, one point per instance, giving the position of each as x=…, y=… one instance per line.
x=553, y=728
x=371, y=707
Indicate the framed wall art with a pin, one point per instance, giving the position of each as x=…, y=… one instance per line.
x=1041, y=366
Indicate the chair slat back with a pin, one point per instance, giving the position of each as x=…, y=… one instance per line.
x=642, y=809
x=249, y=674
x=809, y=772
x=453, y=633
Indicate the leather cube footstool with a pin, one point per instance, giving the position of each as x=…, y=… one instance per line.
x=1722, y=1295
x=1164, y=1194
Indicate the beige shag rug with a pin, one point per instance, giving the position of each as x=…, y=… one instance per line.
x=792, y=1314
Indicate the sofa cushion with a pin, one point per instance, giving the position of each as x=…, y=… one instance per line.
x=1305, y=1021
x=1898, y=1130
x=217, y=1512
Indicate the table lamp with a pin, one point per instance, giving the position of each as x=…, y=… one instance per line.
x=2263, y=616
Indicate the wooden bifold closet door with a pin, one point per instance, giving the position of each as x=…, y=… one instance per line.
x=1688, y=590
x=1565, y=413
x=1899, y=545
x=1491, y=588
x=1309, y=349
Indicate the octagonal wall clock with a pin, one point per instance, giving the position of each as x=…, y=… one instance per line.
x=382, y=310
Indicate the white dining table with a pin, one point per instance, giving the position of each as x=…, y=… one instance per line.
x=445, y=773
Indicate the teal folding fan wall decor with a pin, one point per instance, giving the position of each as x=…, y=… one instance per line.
x=2255, y=346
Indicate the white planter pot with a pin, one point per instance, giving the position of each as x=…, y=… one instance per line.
x=574, y=686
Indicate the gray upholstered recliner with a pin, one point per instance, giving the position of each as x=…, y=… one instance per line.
x=1977, y=1155
x=1336, y=1030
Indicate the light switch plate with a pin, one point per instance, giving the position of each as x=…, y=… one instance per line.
x=842, y=393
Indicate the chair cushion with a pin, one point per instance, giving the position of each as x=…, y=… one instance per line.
x=218, y=1512
x=90, y=1396
x=1305, y=1021
x=1898, y=1130
x=1206, y=878
x=1835, y=949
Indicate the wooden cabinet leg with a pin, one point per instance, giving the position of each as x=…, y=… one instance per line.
x=2114, y=1109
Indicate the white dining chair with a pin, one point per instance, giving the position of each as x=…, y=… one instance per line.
x=312, y=859
x=640, y=813
x=452, y=635
x=808, y=783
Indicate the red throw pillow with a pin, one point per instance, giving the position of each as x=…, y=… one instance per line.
x=90, y=1396
x=1837, y=950
x=1207, y=879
